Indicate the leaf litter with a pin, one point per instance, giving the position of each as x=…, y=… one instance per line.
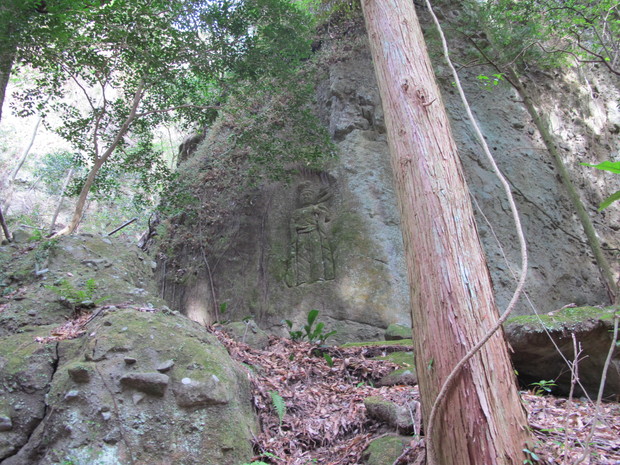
x=326, y=422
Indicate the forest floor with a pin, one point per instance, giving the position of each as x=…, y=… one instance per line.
x=310, y=403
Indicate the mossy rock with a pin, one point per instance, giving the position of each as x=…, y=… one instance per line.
x=396, y=332
x=567, y=318
x=402, y=358
x=541, y=346
x=403, y=342
x=406, y=375
x=200, y=413
x=26, y=371
x=394, y=416
x=385, y=450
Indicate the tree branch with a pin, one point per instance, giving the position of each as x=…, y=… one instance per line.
x=178, y=107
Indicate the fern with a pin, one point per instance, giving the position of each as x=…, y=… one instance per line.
x=278, y=403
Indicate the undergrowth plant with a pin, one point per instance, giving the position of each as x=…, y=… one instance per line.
x=76, y=298
x=314, y=334
x=543, y=386
x=279, y=405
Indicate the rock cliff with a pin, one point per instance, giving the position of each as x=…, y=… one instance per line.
x=330, y=238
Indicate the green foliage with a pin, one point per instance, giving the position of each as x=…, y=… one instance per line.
x=612, y=167
x=53, y=167
x=543, y=386
x=488, y=82
x=532, y=457
x=314, y=334
x=77, y=298
x=333, y=11
x=328, y=359
x=294, y=335
x=544, y=33
x=279, y=405
x=174, y=61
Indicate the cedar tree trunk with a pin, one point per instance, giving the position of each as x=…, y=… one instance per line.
x=482, y=421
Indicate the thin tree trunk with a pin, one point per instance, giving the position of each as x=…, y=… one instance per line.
x=452, y=301
x=22, y=160
x=78, y=212
x=27, y=149
x=81, y=201
x=5, y=230
x=582, y=214
x=6, y=65
x=62, y=197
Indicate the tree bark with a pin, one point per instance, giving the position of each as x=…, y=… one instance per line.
x=452, y=301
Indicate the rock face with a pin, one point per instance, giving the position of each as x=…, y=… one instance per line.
x=542, y=347
x=140, y=385
x=331, y=240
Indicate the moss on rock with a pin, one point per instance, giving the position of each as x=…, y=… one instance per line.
x=566, y=318
x=385, y=450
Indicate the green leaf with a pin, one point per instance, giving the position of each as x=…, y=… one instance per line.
x=312, y=314
x=611, y=166
x=279, y=404
x=609, y=200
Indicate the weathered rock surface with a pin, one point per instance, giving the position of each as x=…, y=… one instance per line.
x=247, y=332
x=353, y=269
x=543, y=347
x=182, y=400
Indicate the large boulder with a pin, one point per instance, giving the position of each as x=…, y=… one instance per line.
x=543, y=345
x=125, y=383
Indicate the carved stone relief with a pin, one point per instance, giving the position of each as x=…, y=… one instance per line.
x=311, y=256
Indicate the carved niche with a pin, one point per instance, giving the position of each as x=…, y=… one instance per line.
x=311, y=256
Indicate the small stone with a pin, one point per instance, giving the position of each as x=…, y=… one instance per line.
x=79, y=374
x=5, y=423
x=130, y=360
x=32, y=312
x=165, y=366
x=72, y=394
x=137, y=398
x=112, y=437
x=106, y=415
x=192, y=394
x=21, y=235
x=107, y=323
x=123, y=329
x=149, y=383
